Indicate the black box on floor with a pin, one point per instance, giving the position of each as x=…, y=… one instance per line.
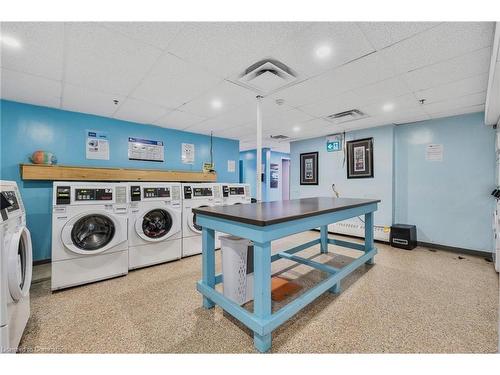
x=404, y=236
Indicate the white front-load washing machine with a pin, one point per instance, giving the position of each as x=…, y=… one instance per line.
x=16, y=262
x=89, y=232
x=155, y=226
x=195, y=195
x=234, y=193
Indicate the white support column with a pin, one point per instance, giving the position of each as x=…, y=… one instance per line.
x=259, y=149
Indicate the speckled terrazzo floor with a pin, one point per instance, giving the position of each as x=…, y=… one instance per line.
x=416, y=301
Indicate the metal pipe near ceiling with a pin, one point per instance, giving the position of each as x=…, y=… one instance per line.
x=258, y=185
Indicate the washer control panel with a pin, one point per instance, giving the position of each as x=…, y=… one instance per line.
x=93, y=195
x=152, y=192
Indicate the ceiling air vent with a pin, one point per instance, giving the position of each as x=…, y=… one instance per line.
x=346, y=116
x=267, y=76
x=279, y=137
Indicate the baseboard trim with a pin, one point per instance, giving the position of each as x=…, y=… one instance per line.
x=453, y=249
x=459, y=250
x=43, y=261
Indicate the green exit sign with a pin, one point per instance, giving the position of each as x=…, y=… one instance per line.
x=332, y=146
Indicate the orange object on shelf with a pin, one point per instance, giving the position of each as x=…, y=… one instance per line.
x=282, y=288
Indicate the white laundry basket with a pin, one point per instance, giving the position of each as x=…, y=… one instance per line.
x=237, y=269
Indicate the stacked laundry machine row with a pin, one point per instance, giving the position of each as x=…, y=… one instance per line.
x=103, y=230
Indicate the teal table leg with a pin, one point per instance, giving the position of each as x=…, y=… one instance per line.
x=369, y=244
x=335, y=289
x=324, y=239
x=208, y=260
x=262, y=291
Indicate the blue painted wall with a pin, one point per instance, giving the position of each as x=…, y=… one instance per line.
x=249, y=163
x=333, y=171
x=449, y=201
x=25, y=128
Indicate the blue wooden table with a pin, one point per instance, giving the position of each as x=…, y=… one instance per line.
x=263, y=223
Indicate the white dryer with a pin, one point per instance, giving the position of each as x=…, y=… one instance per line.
x=233, y=193
x=16, y=262
x=89, y=232
x=193, y=196
x=155, y=226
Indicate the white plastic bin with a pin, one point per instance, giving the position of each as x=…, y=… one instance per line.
x=237, y=269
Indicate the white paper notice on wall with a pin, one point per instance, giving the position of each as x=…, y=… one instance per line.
x=187, y=153
x=231, y=166
x=434, y=152
x=97, y=145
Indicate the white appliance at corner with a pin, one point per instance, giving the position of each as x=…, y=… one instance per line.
x=233, y=193
x=193, y=196
x=89, y=232
x=16, y=261
x=155, y=226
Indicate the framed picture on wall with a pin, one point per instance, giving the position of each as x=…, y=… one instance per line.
x=274, y=172
x=360, y=158
x=309, y=168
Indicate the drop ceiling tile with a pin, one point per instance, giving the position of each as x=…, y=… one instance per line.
x=173, y=82
x=455, y=89
x=316, y=127
x=238, y=132
x=85, y=100
x=446, y=41
x=178, y=120
x=383, y=90
x=400, y=104
x=454, y=105
x=345, y=40
x=228, y=48
x=362, y=72
x=455, y=69
x=41, y=51
x=140, y=111
x=459, y=111
x=339, y=103
x=105, y=60
x=31, y=89
x=228, y=94
x=285, y=119
x=383, y=34
x=158, y=34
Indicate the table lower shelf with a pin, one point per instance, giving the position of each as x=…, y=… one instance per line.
x=264, y=326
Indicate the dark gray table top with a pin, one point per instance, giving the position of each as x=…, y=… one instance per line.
x=269, y=213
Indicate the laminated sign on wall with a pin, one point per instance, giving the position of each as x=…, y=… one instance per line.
x=144, y=149
x=97, y=145
x=187, y=153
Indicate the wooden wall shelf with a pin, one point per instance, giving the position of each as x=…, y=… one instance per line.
x=69, y=173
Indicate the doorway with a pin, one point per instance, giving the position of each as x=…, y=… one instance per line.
x=285, y=179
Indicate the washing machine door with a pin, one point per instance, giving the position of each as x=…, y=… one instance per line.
x=20, y=263
x=91, y=233
x=192, y=221
x=157, y=224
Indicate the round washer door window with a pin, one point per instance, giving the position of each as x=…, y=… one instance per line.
x=92, y=232
x=20, y=264
x=196, y=226
x=156, y=223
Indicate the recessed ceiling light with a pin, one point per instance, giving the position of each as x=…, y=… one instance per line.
x=216, y=104
x=296, y=128
x=10, y=41
x=324, y=51
x=387, y=107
